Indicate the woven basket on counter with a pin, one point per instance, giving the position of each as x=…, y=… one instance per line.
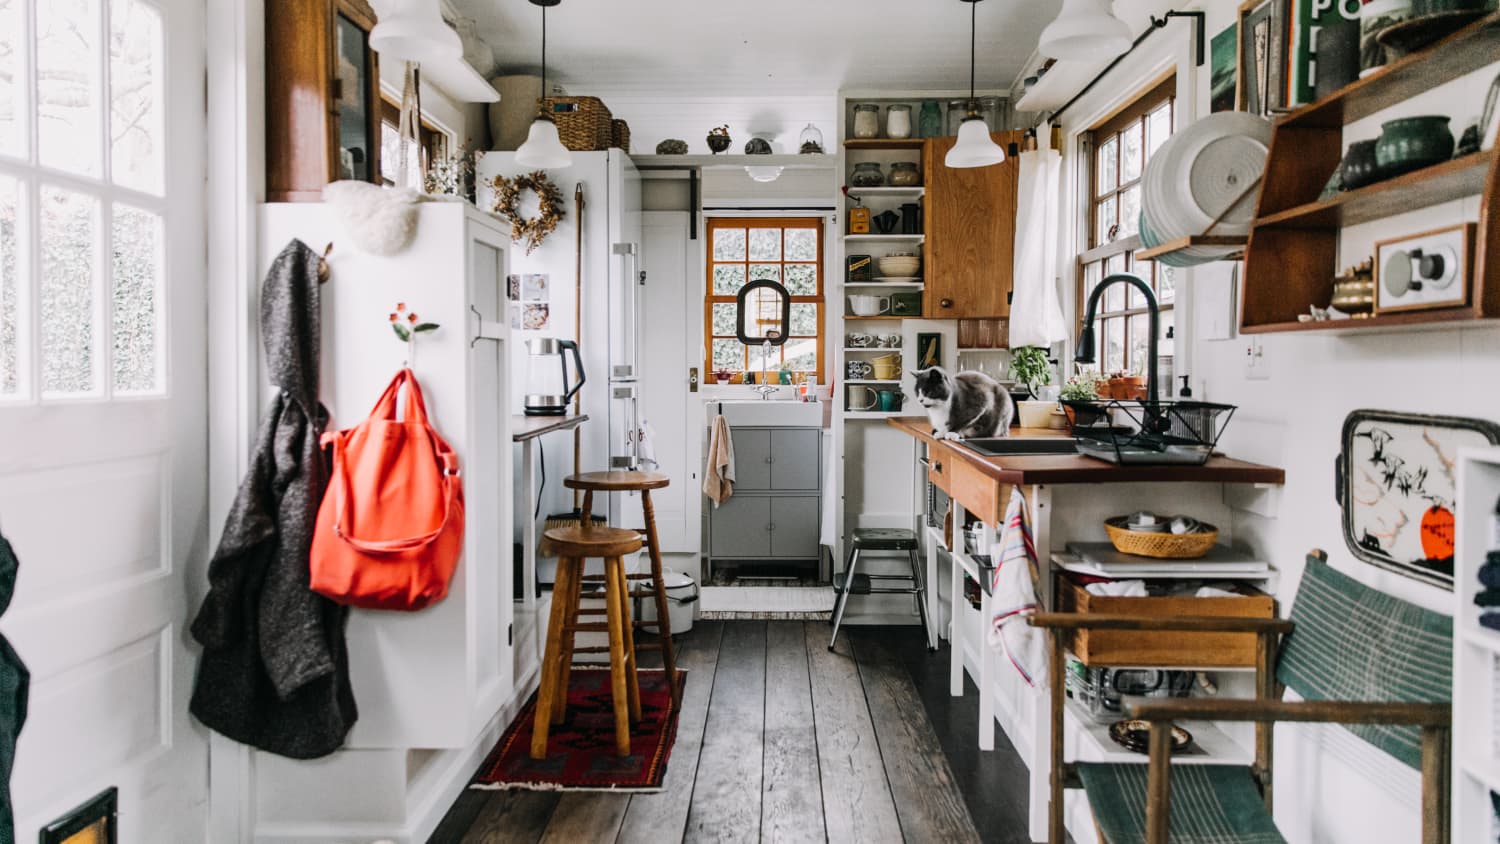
x=620, y=134
x=583, y=123
x=1164, y=546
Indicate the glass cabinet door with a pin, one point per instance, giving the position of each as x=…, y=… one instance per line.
x=354, y=153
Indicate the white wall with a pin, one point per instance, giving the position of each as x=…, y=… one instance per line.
x=1330, y=786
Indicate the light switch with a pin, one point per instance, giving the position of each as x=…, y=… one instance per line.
x=1257, y=366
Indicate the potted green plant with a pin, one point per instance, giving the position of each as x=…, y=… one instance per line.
x=1081, y=387
x=1029, y=366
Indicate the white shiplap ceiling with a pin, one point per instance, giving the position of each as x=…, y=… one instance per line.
x=762, y=47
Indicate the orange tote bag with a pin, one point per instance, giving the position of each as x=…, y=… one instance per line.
x=391, y=525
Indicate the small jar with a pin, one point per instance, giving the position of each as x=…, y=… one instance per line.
x=989, y=109
x=958, y=111
x=930, y=122
x=898, y=121
x=866, y=121
x=867, y=175
x=904, y=174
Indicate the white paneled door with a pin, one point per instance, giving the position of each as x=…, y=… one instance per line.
x=103, y=480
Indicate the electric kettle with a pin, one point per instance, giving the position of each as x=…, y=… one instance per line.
x=548, y=389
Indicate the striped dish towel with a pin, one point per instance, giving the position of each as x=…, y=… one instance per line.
x=1013, y=590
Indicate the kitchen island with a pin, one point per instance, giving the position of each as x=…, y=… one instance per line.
x=1067, y=496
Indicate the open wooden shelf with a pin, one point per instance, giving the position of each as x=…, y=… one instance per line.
x=1372, y=324
x=1465, y=51
x=884, y=143
x=1429, y=186
x=1182, y=243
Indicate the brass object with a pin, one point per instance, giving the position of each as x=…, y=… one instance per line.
x=1354, y=290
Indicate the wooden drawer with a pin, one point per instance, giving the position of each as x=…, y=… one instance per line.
x=940, y=467
x=1127, y=648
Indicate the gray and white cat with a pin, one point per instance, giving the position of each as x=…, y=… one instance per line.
x=969, y=404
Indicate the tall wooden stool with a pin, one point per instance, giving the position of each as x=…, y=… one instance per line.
x=574, y=546
x=642, y=482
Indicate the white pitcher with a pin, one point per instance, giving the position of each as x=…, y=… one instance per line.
x=869, y=305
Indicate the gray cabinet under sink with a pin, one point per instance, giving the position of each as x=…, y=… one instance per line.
x=774, y=514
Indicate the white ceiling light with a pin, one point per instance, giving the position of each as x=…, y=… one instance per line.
x=543, y=149
x=975, y=147
x=1085, y=30
x=763, y=173
x=414, y=31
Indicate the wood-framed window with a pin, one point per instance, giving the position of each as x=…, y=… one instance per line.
x=1116, y=154
x=784, y=249
x=430, y=142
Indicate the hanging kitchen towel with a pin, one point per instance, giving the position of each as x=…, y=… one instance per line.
x=15, y=686
x=1036, y=317
x=1014, y=596
x=718, y=477
x=275, y=672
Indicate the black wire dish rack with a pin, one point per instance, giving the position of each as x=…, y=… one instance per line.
x=1134, y=432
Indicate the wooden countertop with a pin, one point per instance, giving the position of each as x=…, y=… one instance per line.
x=524, y=427
x=1030, y=469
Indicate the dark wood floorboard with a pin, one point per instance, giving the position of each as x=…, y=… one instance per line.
x=663, y=816
x=851, y=747
x=857, y=805
x=726, y=797
x=927, y=797
x=791, y=808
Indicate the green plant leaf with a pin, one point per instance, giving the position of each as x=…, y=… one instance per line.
x=401, y=332
x=426, y=326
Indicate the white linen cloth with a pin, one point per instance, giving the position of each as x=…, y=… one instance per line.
x=1119, y=589
x=1014, y=595
x=1036, y=316
x=718, y=476
x=646, y=446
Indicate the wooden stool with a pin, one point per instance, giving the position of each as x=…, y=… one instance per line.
x=642, y=482
x=575, y=545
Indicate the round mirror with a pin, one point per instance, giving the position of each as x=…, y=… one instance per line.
x=763, y=313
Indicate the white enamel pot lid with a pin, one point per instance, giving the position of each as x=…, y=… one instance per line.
x=1196, y=175
x=675, y=579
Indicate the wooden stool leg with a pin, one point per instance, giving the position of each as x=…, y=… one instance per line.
x=587, y=520
x=663, y=619
x=632, y=674
x=572, y=600
x=612, y=570
x=551, y=660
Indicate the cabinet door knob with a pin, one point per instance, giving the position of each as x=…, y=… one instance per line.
x=947, y=303
x=937, y=467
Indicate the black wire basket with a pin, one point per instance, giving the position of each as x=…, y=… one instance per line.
x=1133, y=432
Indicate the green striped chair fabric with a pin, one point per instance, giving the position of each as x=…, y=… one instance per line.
x=1350, y=643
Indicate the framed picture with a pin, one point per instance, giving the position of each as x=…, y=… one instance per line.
x=1424, y=271
x=1264, y=29
x=1396, y=485
x=929, y=350
x=92, y=823
x=1225, y=78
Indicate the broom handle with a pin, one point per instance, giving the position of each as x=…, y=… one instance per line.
x=578, y=333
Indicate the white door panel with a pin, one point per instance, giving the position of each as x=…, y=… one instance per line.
x=103, y=371
x=674, y=413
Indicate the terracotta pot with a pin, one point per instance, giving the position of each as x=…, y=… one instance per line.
x=1119, y=388
x=1136, y=384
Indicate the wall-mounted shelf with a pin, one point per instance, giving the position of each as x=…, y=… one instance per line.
x=887, y=192
x=893, y=285
x=875, y=414
x=884, y=238
x=881, y=349
x=884, y=143
x=969, y=349
x=885, y=318
x=1423, y=188
x=870, y=381
x=1182, y=243
x=732, y=161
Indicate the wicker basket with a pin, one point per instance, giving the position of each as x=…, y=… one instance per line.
x=1164, y=546
x=620, y=134
x=583, y=123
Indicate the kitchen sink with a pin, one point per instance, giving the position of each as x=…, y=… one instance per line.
x=773, y=413
x=1013, y=446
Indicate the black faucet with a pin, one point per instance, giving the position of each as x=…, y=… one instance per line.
x=1086, y=354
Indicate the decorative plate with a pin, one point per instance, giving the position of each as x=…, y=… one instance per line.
x=1135, y=736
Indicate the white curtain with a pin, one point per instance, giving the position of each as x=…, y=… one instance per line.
x=1036, y=316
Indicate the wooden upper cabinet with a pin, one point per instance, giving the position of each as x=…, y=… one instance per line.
x=322, y=97
x=971, y=233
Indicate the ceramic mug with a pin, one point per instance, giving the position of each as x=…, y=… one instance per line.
x=858, y=370
x=869, y=305
x=890, y=400
x=862, y=398
x=860, y=341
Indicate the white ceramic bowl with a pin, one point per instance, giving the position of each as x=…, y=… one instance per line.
x=894, y=265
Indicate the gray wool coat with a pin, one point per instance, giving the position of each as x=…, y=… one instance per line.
x=275, y=670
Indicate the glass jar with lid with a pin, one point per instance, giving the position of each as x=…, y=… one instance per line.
x=898, y=121
x=867, y=175
x=957, y=111
x=990, y=109
x=931, y=119
x=904, y=174
x=866, y=121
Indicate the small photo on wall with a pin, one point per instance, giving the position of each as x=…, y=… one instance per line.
x=929, y=350
x=513, y=288
x=515, y=316
x=535, y=316
x=535, y=288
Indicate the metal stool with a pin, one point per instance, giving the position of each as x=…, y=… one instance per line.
x=881, y=539
x=574, y=545
x=642, y=482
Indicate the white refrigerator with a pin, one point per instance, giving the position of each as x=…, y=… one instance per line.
x=609, y=257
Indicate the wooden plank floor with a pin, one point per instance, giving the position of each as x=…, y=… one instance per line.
x=782, y=740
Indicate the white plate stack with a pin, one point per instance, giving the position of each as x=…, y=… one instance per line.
x=1205, y=180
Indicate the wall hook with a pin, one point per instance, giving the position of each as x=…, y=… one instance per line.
x=325, y=271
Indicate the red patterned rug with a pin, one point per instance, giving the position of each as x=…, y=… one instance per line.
x=581, y=750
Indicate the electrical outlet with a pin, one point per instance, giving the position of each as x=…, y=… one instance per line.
x=1257, y=365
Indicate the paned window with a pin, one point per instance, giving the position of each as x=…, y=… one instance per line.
x=789, y=251
x=82, y=204
x=1119, y=149
x=430, y=143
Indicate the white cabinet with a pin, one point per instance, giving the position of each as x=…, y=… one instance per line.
x=431, y=686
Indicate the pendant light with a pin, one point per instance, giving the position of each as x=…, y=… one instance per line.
x=414, y=31
x=975, y=147
x=543, y=148
x=1087, y=31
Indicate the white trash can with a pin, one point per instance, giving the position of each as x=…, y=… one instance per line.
x=682, y=601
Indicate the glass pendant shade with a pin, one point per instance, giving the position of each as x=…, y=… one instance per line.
x=543, y=148
x=1085, y=30
x=975, y=147
x=414, y=31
